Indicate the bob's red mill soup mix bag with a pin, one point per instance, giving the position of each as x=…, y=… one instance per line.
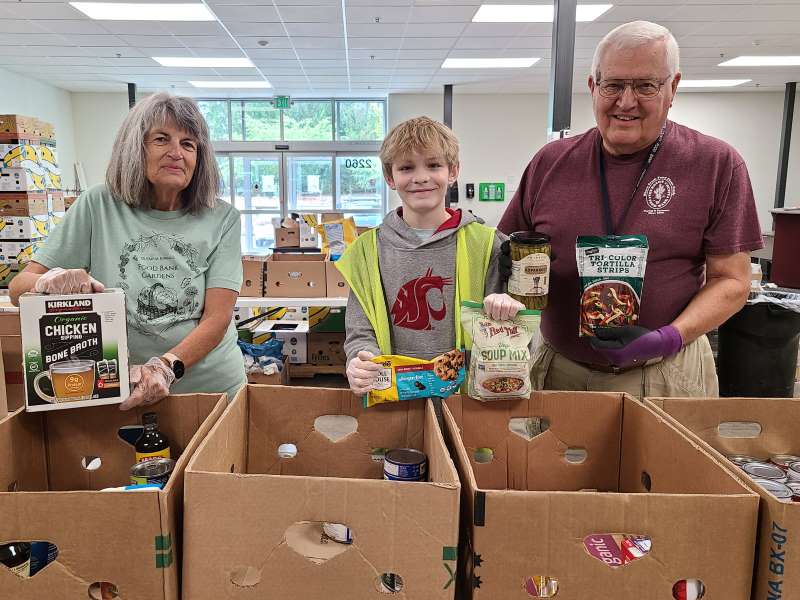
x=75, y=349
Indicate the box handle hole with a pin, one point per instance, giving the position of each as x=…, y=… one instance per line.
x=91, y=463
x=103, y=590
x=688, y=589
x=389, y=583
x=541, y=586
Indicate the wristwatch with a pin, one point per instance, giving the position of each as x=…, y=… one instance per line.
x=174, y=363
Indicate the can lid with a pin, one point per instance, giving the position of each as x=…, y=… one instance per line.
x=742, y=459
x=405, y=456
x=765, y=470
x=529, y=237
x=776, y=488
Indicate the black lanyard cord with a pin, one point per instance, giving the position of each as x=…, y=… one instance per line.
x=604, y=183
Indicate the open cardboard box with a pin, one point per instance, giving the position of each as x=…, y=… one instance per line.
x=295, y=275
x=252, y=276
x=606, y=465
x=11, y=347
x=760, y=427
x=129, y=539
x=260, y=516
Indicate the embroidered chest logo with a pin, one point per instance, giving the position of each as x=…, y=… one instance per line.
x=658, y=194
x=413, y=310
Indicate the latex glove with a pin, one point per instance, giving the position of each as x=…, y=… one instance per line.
x=504, y=261
x=150, y=383
x=67, y=281
x=632, y=345
x=501, y=307
x=361, y=372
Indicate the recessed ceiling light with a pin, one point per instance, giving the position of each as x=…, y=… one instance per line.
x=533, y=13
x=762, y=61
x=701, y=83
x=231, y=84
x=192, y=61
x=130, y=11
x=489, y=63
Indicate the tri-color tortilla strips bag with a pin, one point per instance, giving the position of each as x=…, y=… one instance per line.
x=611, y=269
x=406, y=378
x=500, y=359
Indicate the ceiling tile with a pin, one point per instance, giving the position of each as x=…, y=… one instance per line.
x=264, y=13
x=20, y=27
x=71, y=26
x=313, y=29
x=422, y=43
x=385, y=14
x=256, y=29
x=305, y=14
x=206, y=41
x=378, y=43
x=442, y=14
x=41, y=10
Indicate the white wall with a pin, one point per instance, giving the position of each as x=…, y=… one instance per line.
x=97, y=118
x=500, y=133
x=30, y=97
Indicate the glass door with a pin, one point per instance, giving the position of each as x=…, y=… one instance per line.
x=258, y=191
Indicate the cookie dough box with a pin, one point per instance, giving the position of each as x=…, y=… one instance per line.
x=74, y=349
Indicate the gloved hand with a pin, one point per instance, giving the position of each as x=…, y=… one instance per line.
x=67, y=281
x=633, y=345
x=150, y=383
x=361, y=372
x=505, y=261
x=501, y=307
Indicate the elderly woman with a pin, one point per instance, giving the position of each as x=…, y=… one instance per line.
x=157, y=230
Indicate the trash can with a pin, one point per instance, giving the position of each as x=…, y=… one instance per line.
x=758, y=352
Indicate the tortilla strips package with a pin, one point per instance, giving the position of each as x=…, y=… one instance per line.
x=500, y=361
x=406, y=378
x=611, y=269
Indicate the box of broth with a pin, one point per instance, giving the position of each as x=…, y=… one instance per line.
x=74, y=349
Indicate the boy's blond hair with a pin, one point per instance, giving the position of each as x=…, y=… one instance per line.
x=420, y=134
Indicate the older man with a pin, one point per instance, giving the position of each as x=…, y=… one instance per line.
x=639, y=173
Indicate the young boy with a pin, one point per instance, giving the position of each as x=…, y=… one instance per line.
x=408, y=278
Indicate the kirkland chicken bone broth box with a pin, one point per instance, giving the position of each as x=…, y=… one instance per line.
x=74, y=349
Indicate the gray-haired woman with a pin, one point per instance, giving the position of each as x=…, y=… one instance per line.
x=157, y=230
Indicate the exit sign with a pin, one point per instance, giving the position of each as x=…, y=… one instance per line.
x=492, y=192
x=282, y=102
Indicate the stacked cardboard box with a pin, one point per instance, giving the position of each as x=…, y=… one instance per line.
x=31, y=200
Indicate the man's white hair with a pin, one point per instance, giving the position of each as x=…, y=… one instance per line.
x=635, y=34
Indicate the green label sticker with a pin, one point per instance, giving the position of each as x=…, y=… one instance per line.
x=163, y=542
x=163, y=560
x=491, y=192
x=449, y=553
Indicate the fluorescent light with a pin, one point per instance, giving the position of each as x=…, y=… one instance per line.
x=191, y=61
x=701, y=83
x=231, y=84
x=533, y=13
x=129, y=11
x=489, y=63
x=762, y=61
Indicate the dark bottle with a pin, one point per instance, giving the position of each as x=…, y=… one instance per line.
x=152, y=443
x=17, y=557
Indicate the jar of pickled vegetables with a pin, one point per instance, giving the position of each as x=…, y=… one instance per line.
x=530, y=268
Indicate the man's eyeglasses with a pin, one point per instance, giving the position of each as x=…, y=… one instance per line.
x=642, y=88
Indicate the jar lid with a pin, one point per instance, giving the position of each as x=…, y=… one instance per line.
x=532, y=238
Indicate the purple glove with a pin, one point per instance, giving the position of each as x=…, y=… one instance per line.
x=632, y=345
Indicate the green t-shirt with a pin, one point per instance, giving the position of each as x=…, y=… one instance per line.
x=165, y=261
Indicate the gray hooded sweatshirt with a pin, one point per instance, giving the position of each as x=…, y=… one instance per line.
x=418, y=280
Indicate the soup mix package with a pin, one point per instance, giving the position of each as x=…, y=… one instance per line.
x=611, y=270
x=500, y=361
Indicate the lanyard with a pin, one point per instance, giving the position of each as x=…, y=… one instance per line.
x=604, y=183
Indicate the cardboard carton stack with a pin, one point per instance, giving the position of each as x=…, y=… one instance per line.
x=31, y=200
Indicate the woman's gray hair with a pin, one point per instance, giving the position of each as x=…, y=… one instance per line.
x=126, y=176
x=635, y=34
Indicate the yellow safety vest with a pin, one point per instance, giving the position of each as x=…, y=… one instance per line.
x=359, y=266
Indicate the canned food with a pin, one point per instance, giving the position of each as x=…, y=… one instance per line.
x=405, y=464
x=765, y=471
x=530, y=268
x=153, y=470
x=793, y=471
x=337, y=532
x=742, y=459
x=780, y=490
x=795, y=487
x=784, y=460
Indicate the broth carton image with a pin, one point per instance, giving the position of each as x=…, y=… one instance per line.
x=74, y=349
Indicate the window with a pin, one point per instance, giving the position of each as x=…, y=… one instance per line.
x=359, y=183
x=310, y=179
x=359, y=120
x=255, y=121
x=307, y=120
x=216, y=114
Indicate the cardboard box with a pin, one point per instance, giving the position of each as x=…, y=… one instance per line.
x=69, y=201
x=334, y=281
x=267, y=512
x=547, y=479
x=326, y=349
x=11, y=346
x=330, y=217
x=7, y=274
x=18, y=253
x=55, y=219
x=293, y=333
x=281, y=378
x=24, y=228
x=129, y=539
x=296, y=276
x=75, y=349
x=55, y=202
x=759, y=427
x=38, y=161
x=23, y=204
x=327, y=319
x=3, y=397
x=252, y=276
x=20, y=125
x=298, y=235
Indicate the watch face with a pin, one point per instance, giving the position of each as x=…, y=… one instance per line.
x=178, y=369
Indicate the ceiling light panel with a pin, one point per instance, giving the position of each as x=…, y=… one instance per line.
x=193, y=61
x=130, y=11
x=231, y=84
x=762, y=61
x=533, y=13
x=489, y=63
x=703, y=83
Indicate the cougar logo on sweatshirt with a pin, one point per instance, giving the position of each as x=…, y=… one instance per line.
x=412, y=309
